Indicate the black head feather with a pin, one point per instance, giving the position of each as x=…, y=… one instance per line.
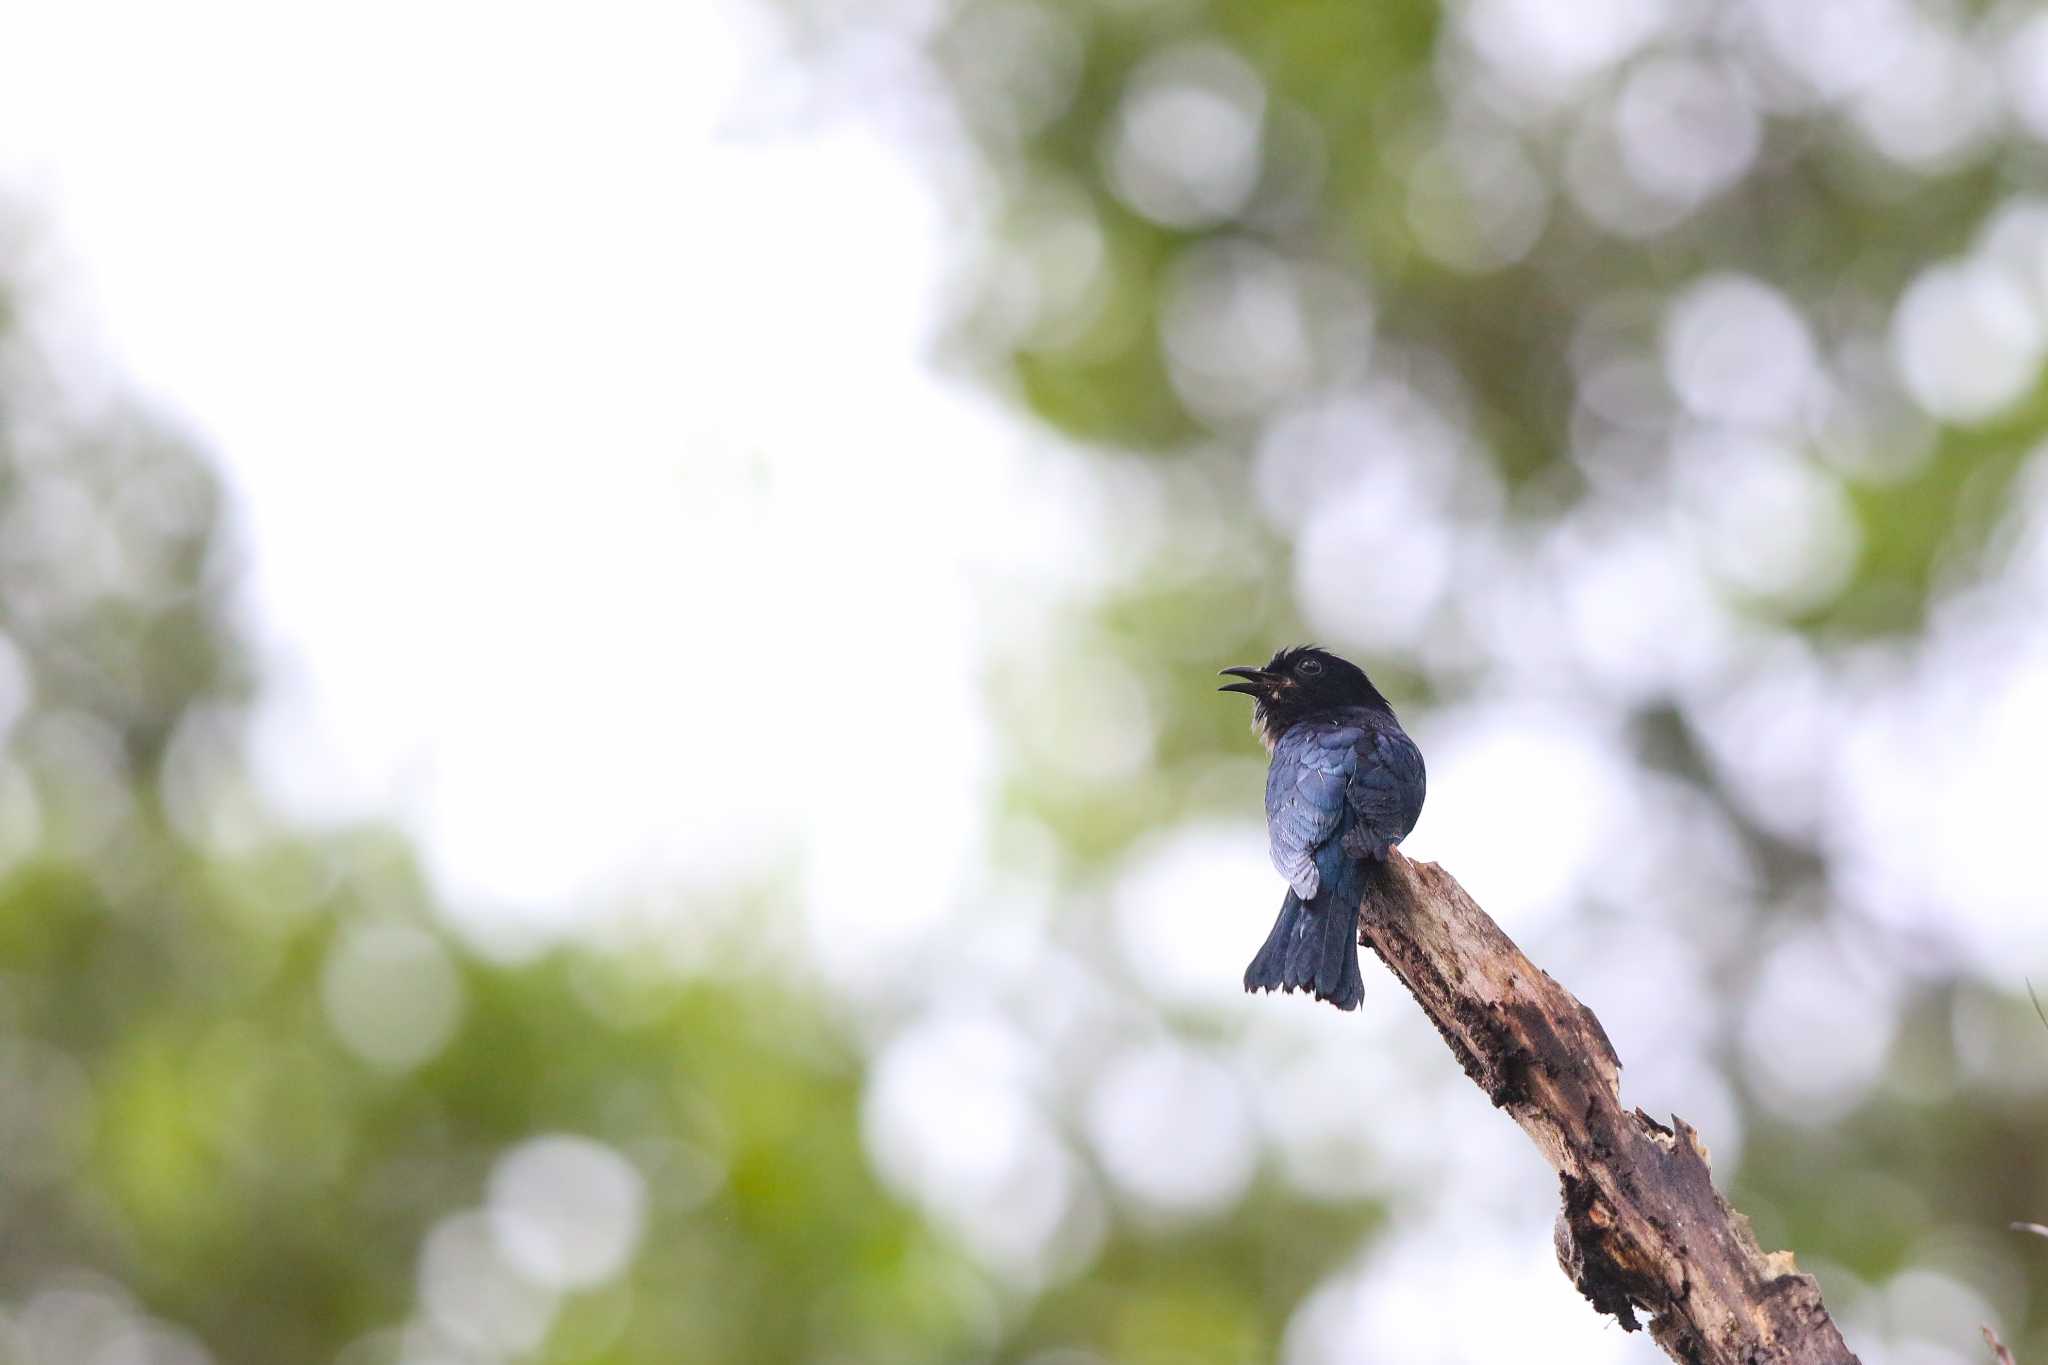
x=1300, y=682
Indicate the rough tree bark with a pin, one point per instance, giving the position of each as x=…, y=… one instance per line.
x=1642, y=1228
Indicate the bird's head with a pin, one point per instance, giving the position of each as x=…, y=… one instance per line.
x=1297, y=683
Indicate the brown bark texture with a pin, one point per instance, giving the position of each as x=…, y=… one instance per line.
x=1642, y=1229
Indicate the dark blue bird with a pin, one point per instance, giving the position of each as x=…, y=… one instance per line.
x=1345, y=786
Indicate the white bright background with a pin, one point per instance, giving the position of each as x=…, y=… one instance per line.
x=578, y=434
x=562, y=498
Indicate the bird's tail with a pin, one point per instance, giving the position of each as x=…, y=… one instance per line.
x=1313, y=947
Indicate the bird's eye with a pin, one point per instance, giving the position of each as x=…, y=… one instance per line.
x=1308, y=668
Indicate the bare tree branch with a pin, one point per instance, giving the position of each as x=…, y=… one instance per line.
x=1642, y=1227
x=1998, y=1348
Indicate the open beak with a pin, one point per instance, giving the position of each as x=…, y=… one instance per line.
x=1257, y=681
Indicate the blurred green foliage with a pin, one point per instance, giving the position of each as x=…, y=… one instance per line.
x=1352, y=103
x=189, y=1143
x=1084, y=303
x=192, y=1151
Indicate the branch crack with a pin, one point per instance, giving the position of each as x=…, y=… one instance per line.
x=1641, y=1228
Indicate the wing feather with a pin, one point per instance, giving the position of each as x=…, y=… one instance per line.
x=1306, y=801
x=1386, y=794
x=1333, y=780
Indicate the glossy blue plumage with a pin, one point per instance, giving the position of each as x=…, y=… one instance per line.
x=1346, y=785
x=1351, y=782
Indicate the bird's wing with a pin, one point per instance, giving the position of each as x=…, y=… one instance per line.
x=1312, y=766
x=1385, y=793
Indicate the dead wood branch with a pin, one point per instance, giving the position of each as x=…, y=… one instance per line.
x=1642, y=1228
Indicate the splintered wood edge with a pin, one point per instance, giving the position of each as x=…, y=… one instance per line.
x=1642, y=1226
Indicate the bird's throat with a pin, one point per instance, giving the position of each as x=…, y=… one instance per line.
x=1265, y=726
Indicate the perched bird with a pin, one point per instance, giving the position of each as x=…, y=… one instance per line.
x=1344, y=787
